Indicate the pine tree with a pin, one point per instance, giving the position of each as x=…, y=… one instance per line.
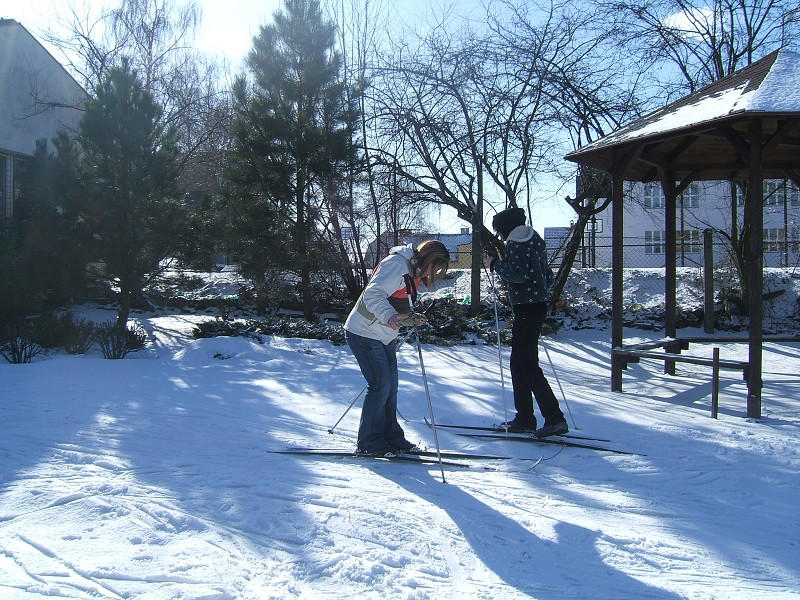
x=44, y=254
x=129, y=173
x=293, y=129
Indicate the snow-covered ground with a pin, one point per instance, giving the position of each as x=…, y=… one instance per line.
x=154, y=477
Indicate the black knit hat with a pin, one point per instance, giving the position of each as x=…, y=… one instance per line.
x=506, y=220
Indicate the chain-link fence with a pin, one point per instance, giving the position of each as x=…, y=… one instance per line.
x=641, y=253
x=647, y=254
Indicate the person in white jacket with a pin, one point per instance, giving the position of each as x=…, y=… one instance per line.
x=371, y=331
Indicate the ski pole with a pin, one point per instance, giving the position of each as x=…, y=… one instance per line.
x=347, y=410
x=558, y=381
x=499, y=348
x=409, y=288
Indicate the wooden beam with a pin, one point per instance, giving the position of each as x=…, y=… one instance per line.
x=622, y=159
x=626, y=158
x=686, y=182
x=616, y=281
x=785, y=128
x=666, y=162
x=737, y=140
x=794, y=175
x=682, y=147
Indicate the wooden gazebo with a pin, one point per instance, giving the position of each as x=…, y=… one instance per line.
x=743, y=127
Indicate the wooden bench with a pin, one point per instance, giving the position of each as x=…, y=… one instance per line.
x=671, y=355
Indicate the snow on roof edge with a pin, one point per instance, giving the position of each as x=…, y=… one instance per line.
x=779, y=91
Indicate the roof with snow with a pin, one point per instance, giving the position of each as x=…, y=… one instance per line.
x=706, y=135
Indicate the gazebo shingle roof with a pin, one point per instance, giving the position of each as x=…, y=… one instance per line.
x=694, y=134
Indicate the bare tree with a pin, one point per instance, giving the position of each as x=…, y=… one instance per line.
x=155, y=37
x=429, y=115
x=588, y=90
x=481, y=116
x=702, y=42
x=359, y=27
x=467, y=122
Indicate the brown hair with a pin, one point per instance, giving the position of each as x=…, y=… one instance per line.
x=431, y=252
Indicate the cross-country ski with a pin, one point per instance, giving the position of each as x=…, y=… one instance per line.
x=500, y=429
x=534, y=440
x=345, y=454
x=418, y=452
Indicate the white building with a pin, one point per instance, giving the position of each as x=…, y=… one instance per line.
x=703, y=205
x=37, y=99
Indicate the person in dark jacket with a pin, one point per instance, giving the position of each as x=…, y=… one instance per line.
x=529, y=277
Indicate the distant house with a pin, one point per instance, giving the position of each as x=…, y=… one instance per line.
x=555, y=238
x=703, y=205
x=38, y=98
x=458, y=244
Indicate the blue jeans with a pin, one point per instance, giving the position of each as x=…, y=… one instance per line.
x=378, y=363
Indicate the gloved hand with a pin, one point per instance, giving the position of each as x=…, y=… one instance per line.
x=407, y=320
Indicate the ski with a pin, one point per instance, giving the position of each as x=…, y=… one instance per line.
x=419, y=452
x=548, y=440
x=345, y=454
x=498, y=429
x=455, y=455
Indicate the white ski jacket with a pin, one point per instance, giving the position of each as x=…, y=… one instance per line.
x=384, y=296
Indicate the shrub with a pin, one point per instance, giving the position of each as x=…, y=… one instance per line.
x=117, y=343
x=49, y=330
x=449, y=324
x=279, y=325
x=79, y=335
x=19, y=346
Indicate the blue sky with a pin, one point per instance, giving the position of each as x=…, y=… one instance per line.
x=227, y=30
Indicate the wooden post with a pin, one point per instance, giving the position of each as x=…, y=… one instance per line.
x=617, y=248
x=708, y=281
x=617, y=263
x=715, y=384
x=670, y=263
x=754, y=216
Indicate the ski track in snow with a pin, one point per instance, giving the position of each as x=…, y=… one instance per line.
x=152, y=478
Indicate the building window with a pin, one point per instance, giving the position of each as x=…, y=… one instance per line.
x=774, y=239
x=653, y=196
x=690, y=197
x=794, y=195
x=776, y=190
x=689, y=241
x=773, y=193
x=654, y=242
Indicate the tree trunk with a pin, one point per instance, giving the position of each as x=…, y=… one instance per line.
x=124, y=310
x=739, y=243
x=302, y=246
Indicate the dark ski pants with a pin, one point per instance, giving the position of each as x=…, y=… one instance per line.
x=527, y=377
x=378, y=363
